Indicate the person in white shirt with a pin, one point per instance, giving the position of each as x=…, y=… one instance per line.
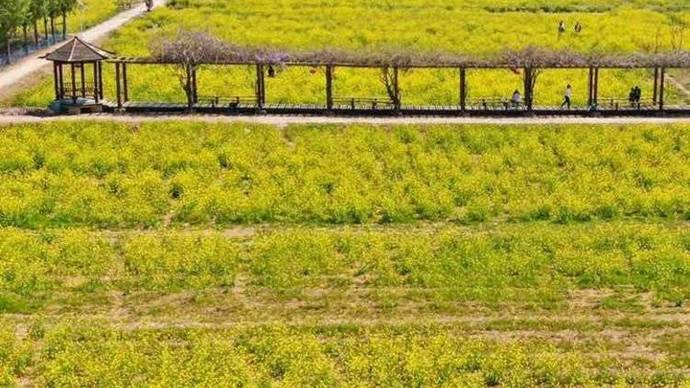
x=516, y=99
x=567, y=96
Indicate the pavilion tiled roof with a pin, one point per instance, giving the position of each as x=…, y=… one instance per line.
x=77, y=50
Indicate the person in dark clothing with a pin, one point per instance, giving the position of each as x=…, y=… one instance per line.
x=567, y=97
x=631, y=96
x=578, y=27
x=561, y=27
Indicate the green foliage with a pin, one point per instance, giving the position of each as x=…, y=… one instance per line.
x=14, y=356
x=175, y=261
x=535, y=263
x=116, y=175
x=277, y=355
x=387, y=256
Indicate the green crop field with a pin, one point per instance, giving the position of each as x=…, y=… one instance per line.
x=183, y=253
x=459, y=26
x=90, y=12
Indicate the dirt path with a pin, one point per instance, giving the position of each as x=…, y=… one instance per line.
x=282, y=121
x=31, y=64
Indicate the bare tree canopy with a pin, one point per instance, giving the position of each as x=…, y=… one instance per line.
x=195, y=48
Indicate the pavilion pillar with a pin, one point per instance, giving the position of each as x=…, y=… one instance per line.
x=56, y=80
x=100, y=79
x=329, y=87
x=396, y=89
x=118, y=85
x=463, y=89
x=74, y=83
x=655, y=95
x=125, y=84
x=83, y=80
x=61, y=76
x=96, y=90
x=662, y=81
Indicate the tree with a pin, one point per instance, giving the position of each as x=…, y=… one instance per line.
x=188, y=50
x=13, y=14
x=38, y=10
x=389, y=78
x=64, y=7
x=53, y=12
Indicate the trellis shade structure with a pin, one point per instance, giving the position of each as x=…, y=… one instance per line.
x=189, y=51
x=201, y=48
x=76, y=54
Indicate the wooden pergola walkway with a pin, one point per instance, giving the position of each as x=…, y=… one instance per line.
x=384, y=106
x=528, y=63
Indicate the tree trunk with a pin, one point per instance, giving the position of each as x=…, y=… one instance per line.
x=9, y=51
x=52, y=27
x=36, y=32
x=26, y=38
x=45, y=27
x=64, y=25
x=188, y=88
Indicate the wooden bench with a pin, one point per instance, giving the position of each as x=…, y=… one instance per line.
x=364, y=103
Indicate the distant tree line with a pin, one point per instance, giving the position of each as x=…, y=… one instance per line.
x=29, y=21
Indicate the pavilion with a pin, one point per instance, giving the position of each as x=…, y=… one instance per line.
x=77, y=90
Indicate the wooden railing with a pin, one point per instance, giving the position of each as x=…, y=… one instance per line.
x=494, y=103
x=364, y=102
x=230, y=102
x=79, y=90
x=625, y=104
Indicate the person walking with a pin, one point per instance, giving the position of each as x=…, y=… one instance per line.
x=567, y=97
x=578, y=27
x=561, y=27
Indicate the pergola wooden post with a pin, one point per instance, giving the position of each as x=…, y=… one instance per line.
x=655, y=95
x=595, y=89
x=329, y=87
x=118, y=91
x=662, y=81
x=260, y=86
x=590, y=87
x=463, y=89
x=125, y=83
